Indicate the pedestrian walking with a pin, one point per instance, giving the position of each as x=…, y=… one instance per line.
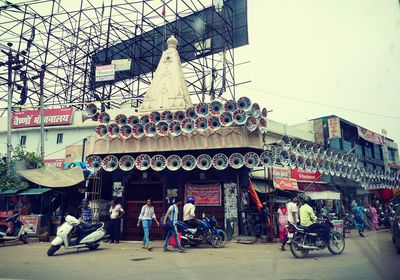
x=147, y=215
x=359, y=220
x=293, y=211
x=169, y=224
x=375, y=221
x=368, y=215
x=283, y=221
x=116, y=213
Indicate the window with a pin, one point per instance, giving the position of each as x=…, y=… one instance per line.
x=334, y=144
x=392, y=155
x=346, y=145
x=22, y=140
x=378, y=151
x=358, y=150
x=60, y=138
x=368, y=151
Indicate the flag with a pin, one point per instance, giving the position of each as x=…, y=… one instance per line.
x=163, y=9
x=254, y=196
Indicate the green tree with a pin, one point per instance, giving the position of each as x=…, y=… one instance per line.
x=20, y=160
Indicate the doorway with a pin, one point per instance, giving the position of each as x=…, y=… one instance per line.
x=136, y=195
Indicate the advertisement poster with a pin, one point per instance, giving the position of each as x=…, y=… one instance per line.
x=73, y=156
x=283, y=180
x=205, y=195
x=105, y=73
x=118, y=189
x=31, y=118
x=370, y=136
x=122, y=64
x=319, y=132
x=334, y=128
x=31, y=223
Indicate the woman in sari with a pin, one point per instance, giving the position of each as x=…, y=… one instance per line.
x=283, y=221
x=358, y=212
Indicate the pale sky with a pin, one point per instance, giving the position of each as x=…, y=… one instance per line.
x=344, y=52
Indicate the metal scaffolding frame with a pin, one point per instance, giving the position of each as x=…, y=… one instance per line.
x=65, y=38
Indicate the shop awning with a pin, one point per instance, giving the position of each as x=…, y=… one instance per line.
x=34, y=191
x=52, y=177
x=8, y=192
x=319, y=191
x=261, y=187
x=324, y=195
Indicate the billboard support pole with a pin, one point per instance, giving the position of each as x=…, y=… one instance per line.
x=41, y=85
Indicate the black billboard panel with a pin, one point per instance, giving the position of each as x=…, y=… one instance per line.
x=200, y=34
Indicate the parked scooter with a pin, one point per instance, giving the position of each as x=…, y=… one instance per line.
x=87, y=235
x=17, y=231
x=304, y=241
x=208, y=231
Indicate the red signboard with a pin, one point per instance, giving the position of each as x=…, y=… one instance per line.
x=286, y=184
x=31, y=118
x=58, y=163
x=304, y=175
x=205, y=195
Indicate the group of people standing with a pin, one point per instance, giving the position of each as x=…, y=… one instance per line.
x=146, y=217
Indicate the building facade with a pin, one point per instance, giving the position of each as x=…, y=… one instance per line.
x=375, y=151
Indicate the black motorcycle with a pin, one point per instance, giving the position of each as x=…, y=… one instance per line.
x=305, y=241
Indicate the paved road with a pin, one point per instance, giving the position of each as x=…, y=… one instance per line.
x=373, y=257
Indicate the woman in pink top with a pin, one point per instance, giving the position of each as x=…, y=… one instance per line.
x=374, y=218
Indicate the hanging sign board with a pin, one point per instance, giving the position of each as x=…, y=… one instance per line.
x=205, y=195
x=105, y=73
x=122, y=64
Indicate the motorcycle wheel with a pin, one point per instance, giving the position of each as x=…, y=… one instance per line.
x=52, y=250
x=336, y=243
x=24, y=238
x=295, y=249
x=219, y=239
x=93, y=246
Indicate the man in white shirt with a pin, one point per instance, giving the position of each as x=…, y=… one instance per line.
x=189, y=216
x=116, y=213
x=293, y=211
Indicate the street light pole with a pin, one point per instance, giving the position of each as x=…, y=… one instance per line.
x=9, y=106
x=41, y=87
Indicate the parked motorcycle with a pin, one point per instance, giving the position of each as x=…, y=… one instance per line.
x=384, y=219
x=87, y=235
x=208, y=231
x=304, y=241
x=348, y=223
x=17, y=231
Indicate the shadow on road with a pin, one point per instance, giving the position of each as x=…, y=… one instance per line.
x=67, y=252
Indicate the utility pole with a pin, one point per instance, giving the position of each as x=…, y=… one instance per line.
x=9, y=106
x=41, y=88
